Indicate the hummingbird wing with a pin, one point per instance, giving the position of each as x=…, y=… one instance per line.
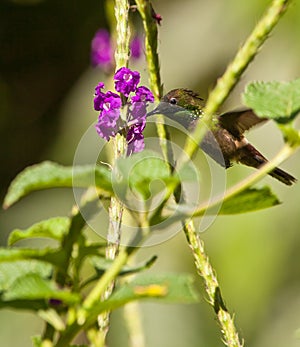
x=237, y=122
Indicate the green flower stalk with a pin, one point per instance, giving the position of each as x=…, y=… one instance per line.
x=120, y=148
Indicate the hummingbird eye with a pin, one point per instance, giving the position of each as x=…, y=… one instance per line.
x=173, y=101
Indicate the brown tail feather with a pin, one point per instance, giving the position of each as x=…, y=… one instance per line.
x=283, y=176
x=250, y=156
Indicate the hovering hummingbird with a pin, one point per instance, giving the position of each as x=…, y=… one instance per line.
x=226, y=142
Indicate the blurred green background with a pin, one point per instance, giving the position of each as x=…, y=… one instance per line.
x=46, y=93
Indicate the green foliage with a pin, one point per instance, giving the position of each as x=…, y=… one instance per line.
x=10, y=271
x=168, y=288
x=102, y=264
x=139, y=173
x=250, y=199
x=50, y=255
x=275, y=100
x=32, y=286
x=34, y=278
x=51, y=175
x=54, y=228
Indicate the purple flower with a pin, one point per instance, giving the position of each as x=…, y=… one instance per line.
x=138, y=109
x=142, y=94
x=101, y=50
x=109, y=105
x=137, y=113
x=99, y=97
x=106, y=101
x=126, y=80
x=111, y=101
x=104, y=130
x=135, y=138
x=136, y=47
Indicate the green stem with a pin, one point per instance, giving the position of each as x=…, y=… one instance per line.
x=150, y=26
x=120, y=148
x=106, y=279
x=145, y=9
x=134, y=326
x=123, y=33
x=234, y=71
x=206, y=271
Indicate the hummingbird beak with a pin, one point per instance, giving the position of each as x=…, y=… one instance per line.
x=165, y=109
x=157, y=110
x=151, y=113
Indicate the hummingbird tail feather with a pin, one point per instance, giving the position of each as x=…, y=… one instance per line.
x=283, y=176
x=250, y=156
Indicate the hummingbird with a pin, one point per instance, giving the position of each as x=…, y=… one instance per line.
x=225, y=143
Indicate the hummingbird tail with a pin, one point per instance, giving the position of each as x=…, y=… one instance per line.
x=250, y=156
x=283, y=176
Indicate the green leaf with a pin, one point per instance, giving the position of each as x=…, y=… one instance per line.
x=54, y=228
x=171, y=288
x=102, y=264
x=10, y=271
x=48, y=255
x=144, y=173
x=276, y=100
x=51, y=175
x=248, y=200
x=34, y=287
x=167, y=288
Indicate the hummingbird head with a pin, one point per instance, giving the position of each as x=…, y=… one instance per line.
x=181, y=105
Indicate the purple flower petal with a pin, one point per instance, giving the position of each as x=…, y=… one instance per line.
x=135, y=138
x=109, y=105
x=101, y=50
x=104, y=131
x=111, y=101
x=99, y=97
x=137, y=113
x=143, y=94
x=126, y=80
x=110, y=117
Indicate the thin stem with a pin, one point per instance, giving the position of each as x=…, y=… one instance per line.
x=206, y=271
x=123, y=33
x=106, y=279
x=150, y=26
x=134, y=325
x=120, y=147
x=234, y=71
x=151, y=34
